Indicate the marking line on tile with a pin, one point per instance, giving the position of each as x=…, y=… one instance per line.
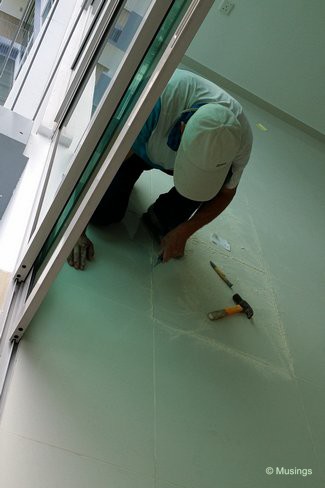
x=257, y=363
x=196, y=240
x=154, y=361
x=154, y=381
x=279, y=326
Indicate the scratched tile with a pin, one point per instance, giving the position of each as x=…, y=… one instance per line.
x=185, y=291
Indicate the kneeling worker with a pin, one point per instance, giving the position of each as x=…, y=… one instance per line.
x=198, y=134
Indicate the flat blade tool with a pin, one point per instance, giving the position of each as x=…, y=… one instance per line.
x=221, y=274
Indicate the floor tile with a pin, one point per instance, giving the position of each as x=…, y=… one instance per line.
x=141, y=196
x=287, y=204
x=186, y=290
x=236, y=226
x=221, y=422
x=166, y=484
x=304, y=329
x=123, y=263
x=313, y=399
x=83, y=380
x=161, y=183
x=29, y=464
x=123, y=381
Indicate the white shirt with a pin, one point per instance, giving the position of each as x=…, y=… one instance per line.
x=182, y=91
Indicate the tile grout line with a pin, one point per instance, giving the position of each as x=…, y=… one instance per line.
x=284, y=346
x=287, y=352
x=308, y=426
x=154, y=377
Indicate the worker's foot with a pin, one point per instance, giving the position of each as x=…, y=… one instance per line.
x=152, y=223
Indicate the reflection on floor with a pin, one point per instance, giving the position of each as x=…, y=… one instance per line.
x=4, y=280
x=122, y=381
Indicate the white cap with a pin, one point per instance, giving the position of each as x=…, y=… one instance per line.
x=209, y=144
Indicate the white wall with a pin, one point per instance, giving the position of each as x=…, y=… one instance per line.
x=275, y=50
x=14, y=7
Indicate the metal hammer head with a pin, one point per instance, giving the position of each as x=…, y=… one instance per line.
x=247, y=309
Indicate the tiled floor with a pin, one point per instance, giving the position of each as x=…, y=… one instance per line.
x=122, y=381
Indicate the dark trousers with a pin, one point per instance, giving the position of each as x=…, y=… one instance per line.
x=171, y=208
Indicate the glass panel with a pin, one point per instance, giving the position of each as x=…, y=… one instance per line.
x=47, y=9
x=122, y=30
x=7, y=78
x=16, y=39
x=123, y=111
x=26, y=35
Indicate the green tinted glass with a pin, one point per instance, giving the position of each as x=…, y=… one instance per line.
x=122, y=29
x=123, y=111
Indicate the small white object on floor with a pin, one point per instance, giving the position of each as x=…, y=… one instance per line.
x=219, y=241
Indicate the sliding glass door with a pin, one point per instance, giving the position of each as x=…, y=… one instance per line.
x=128, y=65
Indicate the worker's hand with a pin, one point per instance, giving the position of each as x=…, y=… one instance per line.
x=83, y=250
x=173, y=243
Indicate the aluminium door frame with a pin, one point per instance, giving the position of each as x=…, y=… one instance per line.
x=84, y=7
x=112, y=159
x=84, y=57
x=7, y=347
x=90, y=138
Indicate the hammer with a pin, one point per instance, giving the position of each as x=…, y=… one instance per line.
x=241, y=307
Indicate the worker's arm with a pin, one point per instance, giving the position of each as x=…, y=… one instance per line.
x=84, y=250
x=173, y=243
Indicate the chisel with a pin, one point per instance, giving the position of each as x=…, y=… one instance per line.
x=221, y=274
